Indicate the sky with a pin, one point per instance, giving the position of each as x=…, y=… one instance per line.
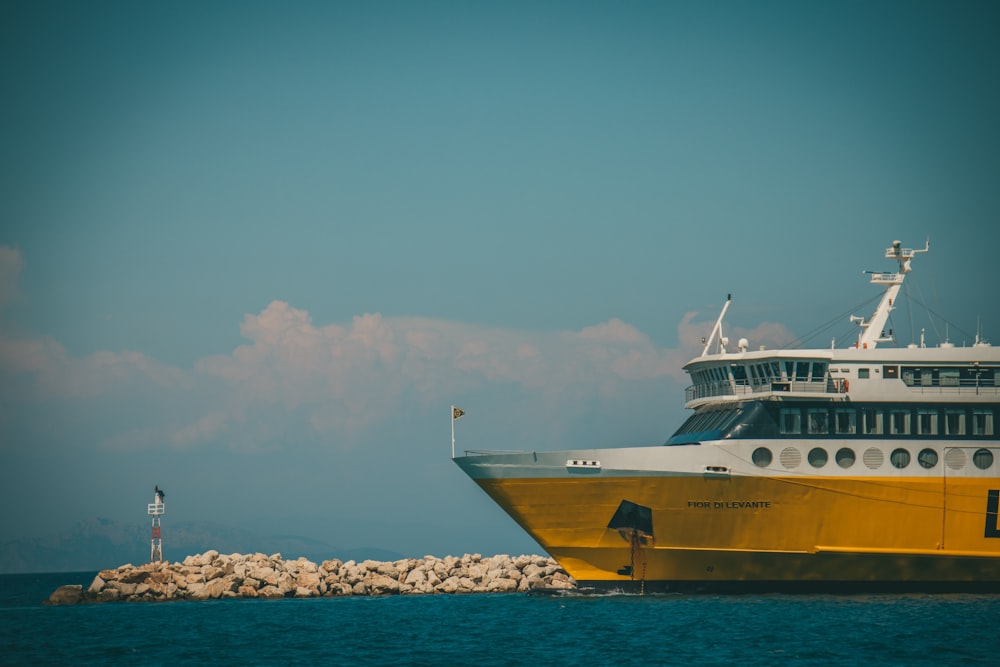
x=253, y=252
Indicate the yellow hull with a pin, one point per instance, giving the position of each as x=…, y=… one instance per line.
x=767, y=530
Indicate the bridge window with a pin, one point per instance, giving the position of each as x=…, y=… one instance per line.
x=927, y=458
x=802, y=371
x=819, y=371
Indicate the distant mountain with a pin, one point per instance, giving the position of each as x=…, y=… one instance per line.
x=98, y=543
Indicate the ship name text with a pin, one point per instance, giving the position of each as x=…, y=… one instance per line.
x=729, y=504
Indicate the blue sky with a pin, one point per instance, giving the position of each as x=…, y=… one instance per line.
x=253, y=252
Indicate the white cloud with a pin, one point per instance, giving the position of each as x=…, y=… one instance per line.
x=43, y=368
x=334, y=382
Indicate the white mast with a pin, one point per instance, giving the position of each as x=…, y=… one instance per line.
x=717, y=330
x=873, y=331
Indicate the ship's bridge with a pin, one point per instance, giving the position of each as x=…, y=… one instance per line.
x=725, y=376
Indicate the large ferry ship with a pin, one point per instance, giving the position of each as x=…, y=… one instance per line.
x=872, y=468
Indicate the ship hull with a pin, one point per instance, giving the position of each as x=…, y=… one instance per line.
x=747, y=532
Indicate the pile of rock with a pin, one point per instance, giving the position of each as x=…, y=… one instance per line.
x=212, y=575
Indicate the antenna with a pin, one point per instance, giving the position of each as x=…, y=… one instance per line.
x=717, y=330
x=872, y=331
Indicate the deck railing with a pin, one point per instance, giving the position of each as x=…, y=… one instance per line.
x=745, y=388
x=962, y=387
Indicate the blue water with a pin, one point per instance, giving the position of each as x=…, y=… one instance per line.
x=499, y=630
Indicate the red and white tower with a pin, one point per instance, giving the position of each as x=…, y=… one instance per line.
x=156, y=510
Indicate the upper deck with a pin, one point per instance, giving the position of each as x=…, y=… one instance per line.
x=941, y=374
x=862, y=372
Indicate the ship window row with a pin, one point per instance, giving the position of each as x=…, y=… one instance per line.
x=771, y=419
x=763, y=372
x=873, y=458
x=887, y=420
x=789, y=370
x=929, y=376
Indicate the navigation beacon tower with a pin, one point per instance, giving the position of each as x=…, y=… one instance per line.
x=156, y=510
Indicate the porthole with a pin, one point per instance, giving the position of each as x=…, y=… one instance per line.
x=845, y=457
x=761, y=457
x=955, y=459
x=791, y=457
x=900, y=458
x=927, y=458
x=983, y=458
x=873, y=458
x=817, y=457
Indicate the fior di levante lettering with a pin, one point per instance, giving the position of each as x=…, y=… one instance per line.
x=729, y=504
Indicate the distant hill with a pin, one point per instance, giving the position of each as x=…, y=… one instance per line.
x=98, y=543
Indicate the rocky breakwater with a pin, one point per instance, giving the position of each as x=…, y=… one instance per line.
x=212, y=575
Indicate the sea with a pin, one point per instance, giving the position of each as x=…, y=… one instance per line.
x=496, y=629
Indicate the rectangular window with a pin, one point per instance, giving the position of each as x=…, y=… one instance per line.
x=899, y=422
x=717, y=419
x=819, y=371
x=982, y=422
x=844, y=421
x=871, y=421
x=926, y=378
x=908, y=377
x=927, y=422
x=949, y=377
x=791, y=421
x=954, y=422
x=802, y=371
x=818, y=421
x=890, y=372
x=863, y=374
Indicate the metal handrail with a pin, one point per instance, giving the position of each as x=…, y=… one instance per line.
x=823, y=386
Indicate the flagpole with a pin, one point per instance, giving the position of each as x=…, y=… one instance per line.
x=451, y=415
